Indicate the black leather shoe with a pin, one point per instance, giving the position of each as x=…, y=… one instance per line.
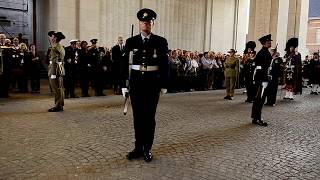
x=228, y=98
x=259, y=122
x=134, y=154
x=55, y=109
x=147, y=155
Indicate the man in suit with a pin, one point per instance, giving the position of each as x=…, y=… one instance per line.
x=117, y=52
x=56, y=70
x=149, y=77
x=262, y=61
x=314, y=70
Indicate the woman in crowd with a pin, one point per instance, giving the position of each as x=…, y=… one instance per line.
x=34, y=69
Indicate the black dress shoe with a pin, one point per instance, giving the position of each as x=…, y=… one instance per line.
x=55, y=109
x=74, y=96
x=227, y=97
x=134, y=154
x=147, y=155
x=85, y=95
x=259, y=122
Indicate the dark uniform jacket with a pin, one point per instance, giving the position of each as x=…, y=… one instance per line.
x=314, y=69
x=277, y=68
x=263, y=60
x=70, y=61
x=154, y=54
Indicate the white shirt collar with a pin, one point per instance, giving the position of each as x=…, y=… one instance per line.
x=142, y=36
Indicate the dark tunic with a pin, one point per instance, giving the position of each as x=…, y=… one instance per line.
x=145, y=86
x=314, y=69
x=262, y=60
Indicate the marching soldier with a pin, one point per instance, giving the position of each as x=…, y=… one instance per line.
x=149, y=77
x=262, y=61
x=56, y=70
x=248, y=69
x=314, y=69
x=293, y=69
x=231, y=73
x=70, y=64
x=274, y=73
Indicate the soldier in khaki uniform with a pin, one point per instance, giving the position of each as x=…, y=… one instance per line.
x=56, y=69
x=231, y=73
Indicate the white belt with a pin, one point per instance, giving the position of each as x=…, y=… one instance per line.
x=144, y=68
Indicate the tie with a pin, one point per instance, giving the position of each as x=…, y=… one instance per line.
x=145, y=40
x=120, y=47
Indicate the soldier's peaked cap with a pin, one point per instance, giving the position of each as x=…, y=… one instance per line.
x=94, y=41
x=73, y=41
x=146, y=15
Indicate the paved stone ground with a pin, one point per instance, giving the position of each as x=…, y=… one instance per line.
x=199, y=136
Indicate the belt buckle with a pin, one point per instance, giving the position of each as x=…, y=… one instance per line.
x=143, y=67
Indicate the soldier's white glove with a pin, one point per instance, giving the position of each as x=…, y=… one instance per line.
x=264, y=84
x=53, y=76
x=125, y=92
x=104, y=68
x=69, y=60
x=164, y=91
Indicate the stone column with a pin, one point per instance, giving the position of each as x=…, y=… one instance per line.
x=303, y=28
x=242, y=25
x=282, y=25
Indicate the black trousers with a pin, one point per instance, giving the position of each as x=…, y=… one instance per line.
x=98, y=83
x=4, y=84
x=144, y=95
x=35, y=82
x=84, y=85
x=251, y=90
x=258, y=103
x=272, y=90
x=70, y=85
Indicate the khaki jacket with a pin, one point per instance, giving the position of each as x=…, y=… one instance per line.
x=56, y=56
x=231, y=67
